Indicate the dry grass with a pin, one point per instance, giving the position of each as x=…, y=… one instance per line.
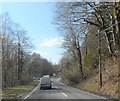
x=110, y=80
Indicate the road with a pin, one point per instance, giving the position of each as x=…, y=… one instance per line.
x=60, y=91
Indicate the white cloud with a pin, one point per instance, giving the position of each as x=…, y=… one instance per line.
x=56, y=41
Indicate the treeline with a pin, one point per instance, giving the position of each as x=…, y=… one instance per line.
x=91, y=33
x=19, y=65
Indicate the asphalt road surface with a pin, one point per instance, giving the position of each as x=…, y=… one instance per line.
x=60, y=91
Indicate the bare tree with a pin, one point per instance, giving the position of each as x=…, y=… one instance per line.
x=73, y=32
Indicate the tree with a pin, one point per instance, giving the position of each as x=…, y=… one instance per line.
x=75, y=16
x=72, y=31
x=13, y=50
x=19, y=66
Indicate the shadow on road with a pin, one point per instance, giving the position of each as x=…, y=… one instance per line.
x=53, y=88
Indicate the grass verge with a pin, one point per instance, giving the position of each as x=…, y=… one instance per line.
x=110, y=79
x=18, y=91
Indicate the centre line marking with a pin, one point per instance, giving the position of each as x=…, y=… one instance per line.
x=64, y=94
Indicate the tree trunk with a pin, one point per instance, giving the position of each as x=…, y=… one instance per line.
x=108, y=39
x=117, y=10
x=80, y=58
x=19, y=64
x=86, y=49
x=100, y=63
x=80, y=63
x=0, y=61
x=116, y=26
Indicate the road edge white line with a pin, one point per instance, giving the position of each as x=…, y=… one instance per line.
x=59, y=79
x=64, y=94
x=30, y=93
x=55, y=87
x=62, y=83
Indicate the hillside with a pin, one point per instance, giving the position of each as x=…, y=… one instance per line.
x=91, y=45
x=110, y=80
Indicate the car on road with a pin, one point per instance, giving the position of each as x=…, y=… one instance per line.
x=36, y=78
x=45, y=82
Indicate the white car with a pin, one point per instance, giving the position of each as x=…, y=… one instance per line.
x=45, y=82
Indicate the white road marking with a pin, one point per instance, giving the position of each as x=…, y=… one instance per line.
x=58, y=79
x=64, y=94
x=30, y=93
x=55, y=87
x=62, y=83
